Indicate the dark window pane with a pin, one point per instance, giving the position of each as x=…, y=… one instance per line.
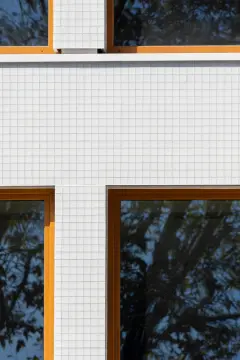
x=23, y=22
x=21, y=279
x=180, y=280
x=176, y=22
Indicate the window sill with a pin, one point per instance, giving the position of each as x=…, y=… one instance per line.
x=91, y=58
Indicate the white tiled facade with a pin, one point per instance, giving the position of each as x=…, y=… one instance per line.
x=82, y=127
x=79, y=24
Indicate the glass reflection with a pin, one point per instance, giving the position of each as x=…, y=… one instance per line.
x=180, y=280
x=23, y=22
x=21, y=280
x=176, y=22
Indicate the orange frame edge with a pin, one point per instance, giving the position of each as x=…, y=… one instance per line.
x=158, y=49
x=35, y=49
x=46, y=195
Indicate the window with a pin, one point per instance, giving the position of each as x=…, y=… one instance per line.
x=26, y=26
x=173, y=273
x=173, y=26
x=26, y=274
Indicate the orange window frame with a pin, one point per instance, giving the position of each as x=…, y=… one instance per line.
x=111, y=48
x=35, y=49
x=114, y=196
x=46, y=195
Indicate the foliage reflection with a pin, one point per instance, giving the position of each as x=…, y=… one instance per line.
x=180, y=280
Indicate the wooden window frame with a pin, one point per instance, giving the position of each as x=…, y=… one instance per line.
x=35, y=49
x=46, y=195
x=114, y=196
x=111, y=48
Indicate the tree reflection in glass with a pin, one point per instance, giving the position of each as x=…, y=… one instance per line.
x=23, y=22
x=180, y=280
x=21, y=280
x=176, y=22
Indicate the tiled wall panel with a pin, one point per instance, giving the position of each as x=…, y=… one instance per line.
x=79, y=24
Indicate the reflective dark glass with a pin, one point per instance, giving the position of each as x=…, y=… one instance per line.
x=176, y=22
x=23, y=22
x=21, y=280
x=180, y=280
